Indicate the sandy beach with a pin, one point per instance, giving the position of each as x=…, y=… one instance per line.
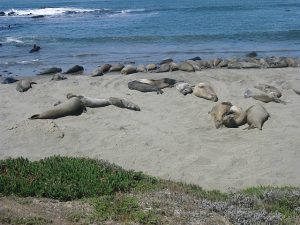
x=172, y=137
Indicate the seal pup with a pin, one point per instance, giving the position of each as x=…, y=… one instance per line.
x=236, y=117
x=262, y=96
x=75, y=70
x=256, y=116
x=8, y=80
x=50, y=71
x=129, y=69
x=143, y=87
x=72, y=107
x=90, y=102
x=203, y=90
x=58, y=77
x=100, y=71
x=35, y=48
x=160, y=83
x=124, y=103
x=218, y=112
x=24, y=85
x=184, y=88
x=269, y=90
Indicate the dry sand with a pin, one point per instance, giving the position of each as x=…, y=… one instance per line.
x=172, y=136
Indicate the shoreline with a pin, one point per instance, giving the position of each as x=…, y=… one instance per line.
x=172, y=137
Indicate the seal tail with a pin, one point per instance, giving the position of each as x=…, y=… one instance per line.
x=34, y=117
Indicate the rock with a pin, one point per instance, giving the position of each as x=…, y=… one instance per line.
x=35, y=48
x=151, y=67
x=2, y=13
x=128, y=69
x=195, y=65
x=116, y=67
x=140, y=68
x=75, y=70
x=168, y=60
x=1, y=45
x=251, y=54
x=38, y=16
x=242, y=65
x=12, y=13
x=195, y=58
x=185, y=66
x=51, y=71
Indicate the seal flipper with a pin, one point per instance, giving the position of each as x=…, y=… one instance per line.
x=123, y=103
x=34, y=117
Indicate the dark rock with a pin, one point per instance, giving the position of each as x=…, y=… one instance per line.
x=75, y=70
x=51, y=71
x=251, y=54
x=35, y=48
x=195, y=58
x=12, y=13
x=2, y=13
x=38, y=16
x=0, y=45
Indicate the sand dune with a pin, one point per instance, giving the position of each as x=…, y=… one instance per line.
x=171, y=137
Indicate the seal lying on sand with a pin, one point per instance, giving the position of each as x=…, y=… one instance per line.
x=256, y=116
x=72, y=107
x=51, y=71
x=161, y=83
x=58, y=77
x=97, y=102
x=129, y=69
x=184, y=88
x=143, y=87
x=262, y=96
x=24, y=85
x=75, y=70
x=219, y=111
x=236, y=117
x=100, y=71
x=271, y=90
x=116, y=67
x=203, y=90
x=8, y=80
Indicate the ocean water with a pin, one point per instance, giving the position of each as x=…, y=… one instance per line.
x=93, y=32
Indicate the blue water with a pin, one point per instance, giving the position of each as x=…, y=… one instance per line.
x=93, y=32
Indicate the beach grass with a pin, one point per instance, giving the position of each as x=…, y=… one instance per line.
x=128, y=196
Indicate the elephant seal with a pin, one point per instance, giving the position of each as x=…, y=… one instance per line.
x=129, y=69
x=151, y=67
x=262, y=96
x=251, y=54
x=140, y=68
x=50, y=71
x=184, y=88
x=100, y=71
x=58, y=77
x=256, y=116
x=194, y=64
x=219, y=111
x=297, y=91
x=124, y=103
x=271, y=90
x=185, y=66
x=8, y=80
x=143, y=87
x=35, y=48
x=90, y=102
x=203, y=90
x=24, y=85
x=165, y=61
x=236, y=117
x=195, y=58
x=116, y=67
x=72, y=107
x=161, y=83
x=163, y=68
x=173, y=66
x=75, y=70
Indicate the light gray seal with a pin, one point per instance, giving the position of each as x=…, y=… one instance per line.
x=50, y=71
x=185, y=66
x=184, y=88
x=271, y=90
x=203, y=90
x=24, y=85
x=256, y=116
x=124, y=103
x=100, y=71
x=75, y=70
x=90, y=102
x=72, y=107
x=143, y=87
x=129, y=69
x=116, y=67
x=262, y=96
x=236, y=117
x=160, y=83
x=58, y=77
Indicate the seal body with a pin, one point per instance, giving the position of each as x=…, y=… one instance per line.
x=75, y=70
x=124, y=103
x=143, y=87
x=90, y=102
x=8, y=80
x=184, y=88
x=160, y=83
x=185, y=66
x=256, y=116
x=271, y=90
x=203, y=90
x=51, y=71
x=58, y=77
x=219, y=111
x=24, y=85
x=236, y=117
x=116, y=67
x=101, y=70
x=261, y=96
x=72, y=107
x=163, y=68
x=129, y=69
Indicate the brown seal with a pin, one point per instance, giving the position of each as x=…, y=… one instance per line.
x=236, y=117
x=219, y=111
x=203, y=90
x=256, y=116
